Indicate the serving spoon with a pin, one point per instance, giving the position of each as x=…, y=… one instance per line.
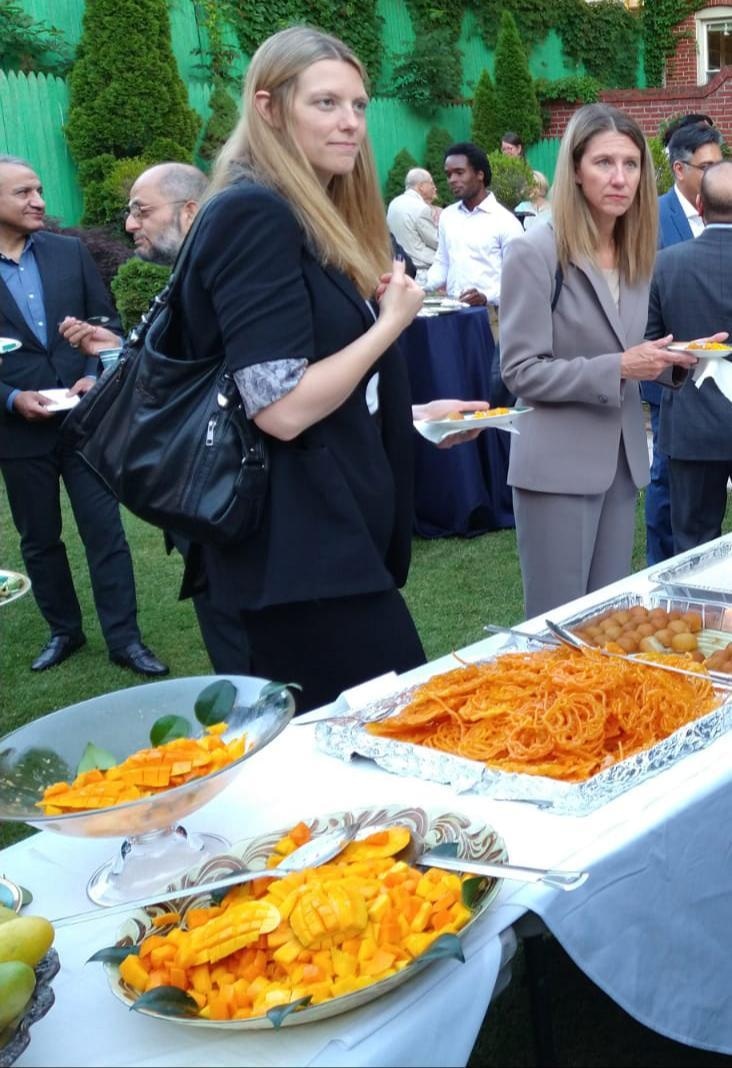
x=312, y=854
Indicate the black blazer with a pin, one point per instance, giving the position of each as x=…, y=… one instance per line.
x=72, y=285
x=690, y=298
x=339, y=514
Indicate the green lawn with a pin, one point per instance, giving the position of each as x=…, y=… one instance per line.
x=456, y=586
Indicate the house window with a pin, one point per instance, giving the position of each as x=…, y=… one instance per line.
x=714, y=41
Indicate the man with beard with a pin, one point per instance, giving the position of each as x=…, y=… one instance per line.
x=162, y=205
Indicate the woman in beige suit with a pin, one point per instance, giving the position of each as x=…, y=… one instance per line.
x=574, y=303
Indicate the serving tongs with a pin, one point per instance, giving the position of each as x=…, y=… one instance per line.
x=562, y=635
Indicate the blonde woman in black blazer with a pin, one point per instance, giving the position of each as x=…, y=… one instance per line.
x=581, y=455
x=291, y=277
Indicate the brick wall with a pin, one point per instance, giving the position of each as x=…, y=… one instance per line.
x=681, y=69
x=649, y=107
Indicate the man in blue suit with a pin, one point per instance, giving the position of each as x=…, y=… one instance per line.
x=694, y=146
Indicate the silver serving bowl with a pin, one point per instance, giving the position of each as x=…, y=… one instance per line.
x=155, y=846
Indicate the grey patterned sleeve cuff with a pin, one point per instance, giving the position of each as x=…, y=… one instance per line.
x=264, y=383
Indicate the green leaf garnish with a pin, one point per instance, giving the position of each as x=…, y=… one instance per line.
x=95, y=757
x=114, y=954
x=279, y=1013
x=447, y=945
x=214, y=704
x=472, y=890
x=167, y=728
x=168, y=1001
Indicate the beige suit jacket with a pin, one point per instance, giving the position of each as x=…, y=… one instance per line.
x=409, y=219
x=566, y=366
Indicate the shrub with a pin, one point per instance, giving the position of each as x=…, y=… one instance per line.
x=484, y=129
x=134, y=286
x=664, y=177
x=108, y=247
x=125, y=93
x=516, y=105
x=106, y=198
x=27, y=45
x=403, y=162
x=429, y=76
x=223, y=118
x=438, y=141
x=511, y=178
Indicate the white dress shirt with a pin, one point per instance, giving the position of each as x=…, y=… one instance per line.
x=692, y=215
x=471, y=246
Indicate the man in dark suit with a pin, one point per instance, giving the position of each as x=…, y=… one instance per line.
x=42, y=277
x=691, y=298
x=693, y=145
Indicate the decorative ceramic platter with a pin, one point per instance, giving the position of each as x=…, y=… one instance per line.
x=346, y=737
x=430, y=827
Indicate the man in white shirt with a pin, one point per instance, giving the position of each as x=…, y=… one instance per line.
x=410, y=220
x=473, y=232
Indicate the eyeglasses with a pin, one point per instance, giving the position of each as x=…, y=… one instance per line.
x=139, y=211
x=700, y=166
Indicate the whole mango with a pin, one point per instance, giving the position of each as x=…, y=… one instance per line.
x=17, y=983
x=7, y=914
x=26, y=938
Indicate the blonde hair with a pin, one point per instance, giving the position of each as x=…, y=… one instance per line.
x=345, y=222
x=539, y=184
x=576, y=232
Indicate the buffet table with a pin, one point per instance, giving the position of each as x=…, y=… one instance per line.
x=461, y=490
x=650, y=926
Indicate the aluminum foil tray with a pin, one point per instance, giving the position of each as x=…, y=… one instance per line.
x=345, y=737
x=715, y=615
x=704, y=575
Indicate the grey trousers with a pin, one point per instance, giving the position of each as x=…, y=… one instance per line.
x=571, y=544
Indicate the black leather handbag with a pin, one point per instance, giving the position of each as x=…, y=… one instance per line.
x=169, y=436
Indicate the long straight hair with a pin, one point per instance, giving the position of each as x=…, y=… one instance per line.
x=576, y=232
x=345, y=222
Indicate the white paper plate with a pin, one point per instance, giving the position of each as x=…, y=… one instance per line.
x=61, y=402
x=701, y=354
x=436, y=430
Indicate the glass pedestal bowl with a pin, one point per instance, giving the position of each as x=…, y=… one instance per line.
x=155, y=846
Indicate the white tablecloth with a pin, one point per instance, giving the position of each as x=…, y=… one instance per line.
x=651, y=926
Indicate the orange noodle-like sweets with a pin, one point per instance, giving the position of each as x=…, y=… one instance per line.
x=563, y=713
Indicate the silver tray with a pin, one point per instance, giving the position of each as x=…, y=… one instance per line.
x=706, y=574
x=346, y=737
x=715, y=615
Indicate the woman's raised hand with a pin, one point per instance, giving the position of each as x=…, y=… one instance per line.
x=651, y=358
x=399, y=296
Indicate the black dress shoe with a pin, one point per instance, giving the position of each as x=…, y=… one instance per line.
x=56, y=650
x=140, y=659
